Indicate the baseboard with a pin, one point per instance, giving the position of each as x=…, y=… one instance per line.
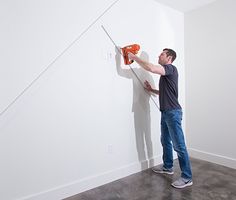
x=218, y=159
x=88, y=183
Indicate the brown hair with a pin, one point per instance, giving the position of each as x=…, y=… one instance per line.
x=170, y=52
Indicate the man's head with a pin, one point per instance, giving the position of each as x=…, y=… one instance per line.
x=167, y=56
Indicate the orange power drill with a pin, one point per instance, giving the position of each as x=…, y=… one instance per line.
x=133, y=48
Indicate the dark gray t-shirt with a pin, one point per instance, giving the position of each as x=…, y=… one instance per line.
x=168, y=89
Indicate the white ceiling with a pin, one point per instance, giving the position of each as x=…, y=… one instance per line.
x=185, y=5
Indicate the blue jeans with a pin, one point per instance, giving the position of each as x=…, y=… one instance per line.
x=172, y=137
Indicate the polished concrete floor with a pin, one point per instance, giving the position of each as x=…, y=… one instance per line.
x=210, y=181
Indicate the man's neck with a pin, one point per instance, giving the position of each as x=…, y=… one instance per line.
x=169, y=63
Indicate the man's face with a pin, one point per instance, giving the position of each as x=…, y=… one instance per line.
x=163, y=58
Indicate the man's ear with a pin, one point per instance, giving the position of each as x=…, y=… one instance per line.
x=169, y=58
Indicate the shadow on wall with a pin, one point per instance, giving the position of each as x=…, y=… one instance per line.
x=140, y=108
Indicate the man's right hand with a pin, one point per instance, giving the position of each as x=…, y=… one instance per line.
x=132, y=56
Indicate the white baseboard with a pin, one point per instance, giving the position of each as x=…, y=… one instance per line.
x=88, y=183
x=210, y=157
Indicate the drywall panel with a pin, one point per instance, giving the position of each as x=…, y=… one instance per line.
x=87, y=120
x=209, y=54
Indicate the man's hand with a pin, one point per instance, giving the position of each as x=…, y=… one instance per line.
x=147, y=86
x=132, y=56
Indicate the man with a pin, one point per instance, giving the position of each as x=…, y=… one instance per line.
x=171, y=116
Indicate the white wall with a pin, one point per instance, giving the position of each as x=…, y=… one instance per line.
x=210, y=87
x=74, y=128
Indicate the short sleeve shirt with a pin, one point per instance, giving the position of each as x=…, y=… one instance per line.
x=168, y=89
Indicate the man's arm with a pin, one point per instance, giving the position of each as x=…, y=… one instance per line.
x=149, y=88
x=157, y=69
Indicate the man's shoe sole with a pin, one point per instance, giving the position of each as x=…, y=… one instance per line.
x=163, y=172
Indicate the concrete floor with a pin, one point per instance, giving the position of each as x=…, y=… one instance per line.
x=210, y=181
